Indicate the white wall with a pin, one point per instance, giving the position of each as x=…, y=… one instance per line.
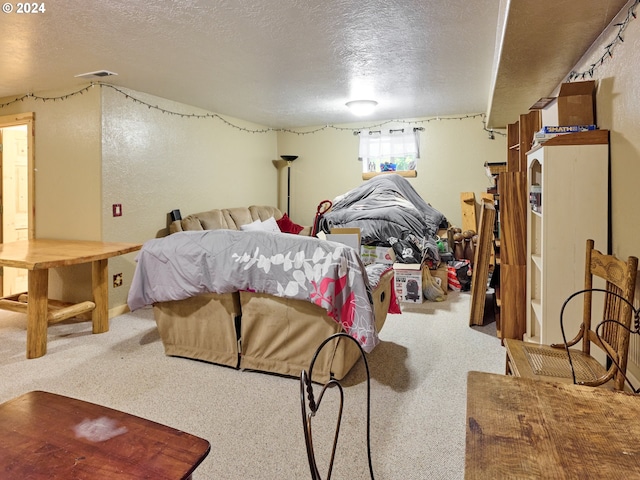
x=67, y=178
x=155, y=162
x=453, y=154
x=618, y=110
x=67, y=163
x=100, y=148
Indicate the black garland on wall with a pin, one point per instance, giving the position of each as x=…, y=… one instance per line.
x=608, y=49
x=221, y=118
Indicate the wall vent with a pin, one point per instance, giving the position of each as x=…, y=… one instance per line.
x=96, y=74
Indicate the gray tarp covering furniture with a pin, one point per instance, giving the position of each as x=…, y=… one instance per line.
x=383, y=207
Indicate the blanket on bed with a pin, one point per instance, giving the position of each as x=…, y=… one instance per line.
x=384, y=207
x=328, y=274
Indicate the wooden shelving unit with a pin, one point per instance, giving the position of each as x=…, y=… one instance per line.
x=492, y=196
x=514, y=193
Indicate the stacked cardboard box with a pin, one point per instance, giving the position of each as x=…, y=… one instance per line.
x=408, y=282
x=577, y=103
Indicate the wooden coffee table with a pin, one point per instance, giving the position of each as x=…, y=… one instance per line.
x=38, y=256
x=49, y=436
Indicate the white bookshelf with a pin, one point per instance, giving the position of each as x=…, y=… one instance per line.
x=573, y=173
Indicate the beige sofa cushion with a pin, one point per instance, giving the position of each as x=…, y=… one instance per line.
x=228, y=218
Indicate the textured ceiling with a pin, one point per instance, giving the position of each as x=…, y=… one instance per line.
x=290, y=63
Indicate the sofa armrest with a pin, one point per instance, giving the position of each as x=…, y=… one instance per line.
x=175, y=226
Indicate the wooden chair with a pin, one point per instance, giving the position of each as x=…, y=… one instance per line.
x=307, y=386
x=559, y=363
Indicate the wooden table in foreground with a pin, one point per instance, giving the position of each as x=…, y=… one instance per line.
x=38, y=256
x=49, y=436
x=525, y=428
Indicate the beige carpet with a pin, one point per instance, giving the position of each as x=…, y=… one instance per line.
x=252, y=420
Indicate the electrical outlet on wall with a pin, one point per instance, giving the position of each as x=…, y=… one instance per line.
x=117, y=280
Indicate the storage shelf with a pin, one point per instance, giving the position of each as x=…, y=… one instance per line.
x=513, y=224
x=537, y=260
x=574, y=196
x=536, y=306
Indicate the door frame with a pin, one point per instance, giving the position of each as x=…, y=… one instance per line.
x=27, y=119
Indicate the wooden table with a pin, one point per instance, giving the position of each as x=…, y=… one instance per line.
x=38, y=256
x=49, y=436
x=525, y=428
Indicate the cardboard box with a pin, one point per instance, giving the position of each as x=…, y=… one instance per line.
x=346, y=236
x=372, y=254
x=348, y=239
x=346, y=231
x=408, y=282
x=577, y=103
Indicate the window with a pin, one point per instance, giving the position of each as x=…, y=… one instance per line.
x=395, y=151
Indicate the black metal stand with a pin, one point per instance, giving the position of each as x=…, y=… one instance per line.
x=288, y=188
x=288, y=159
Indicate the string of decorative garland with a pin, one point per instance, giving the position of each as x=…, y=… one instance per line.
x=608, y=49
x=227, y=122
x=44, y=99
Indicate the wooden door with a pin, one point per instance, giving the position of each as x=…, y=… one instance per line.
x=15, y=200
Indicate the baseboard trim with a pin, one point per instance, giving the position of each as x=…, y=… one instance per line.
x=119, y=310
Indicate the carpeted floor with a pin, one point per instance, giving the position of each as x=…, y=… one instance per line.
x=253, y=420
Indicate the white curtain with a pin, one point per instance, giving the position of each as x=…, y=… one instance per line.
x=377, y=146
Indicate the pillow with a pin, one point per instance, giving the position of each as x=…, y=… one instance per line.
x=255, y=225
x=287, y=226
x=269, y=225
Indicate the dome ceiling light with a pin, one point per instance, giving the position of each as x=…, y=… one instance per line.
x=362, y=107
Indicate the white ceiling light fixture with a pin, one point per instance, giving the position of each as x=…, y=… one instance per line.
x=362, y=107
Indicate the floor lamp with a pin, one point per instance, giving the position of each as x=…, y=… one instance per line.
x=288, y=159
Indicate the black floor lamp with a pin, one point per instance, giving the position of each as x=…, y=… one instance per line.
x=288, y=159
